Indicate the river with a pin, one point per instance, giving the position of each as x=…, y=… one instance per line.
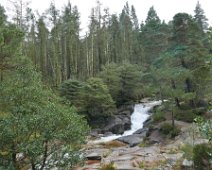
x=138, y=117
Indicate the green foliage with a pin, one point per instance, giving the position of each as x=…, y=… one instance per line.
x=158, y=116
x=205, y=127
x=98, y=101
x=38, y=123
x=200, y=17
x=185, y=115
x=202, y=156
x=169, y=130
x=72, y=90
x=153, y=36
x=124, y=82
x=188, y=151
x=91, y=98
x=111, y=76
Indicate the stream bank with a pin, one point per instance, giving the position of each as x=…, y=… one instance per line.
x=160, y=153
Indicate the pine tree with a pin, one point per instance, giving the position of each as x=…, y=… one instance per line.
x=200, y=18
x=154, y=36
x=190, y=57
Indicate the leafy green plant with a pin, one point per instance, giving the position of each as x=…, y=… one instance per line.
x=158, y=116
x=205, y=127
x=185, y=115
x=169, y=130
x=188, y=151
x=202, y=156
x=142, y=164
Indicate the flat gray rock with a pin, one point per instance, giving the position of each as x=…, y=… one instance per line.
x=132, y=140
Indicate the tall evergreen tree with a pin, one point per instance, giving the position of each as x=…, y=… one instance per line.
x=154, y=36
x=200, y=17
x=191, y=55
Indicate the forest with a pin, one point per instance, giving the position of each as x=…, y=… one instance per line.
x=56, y=85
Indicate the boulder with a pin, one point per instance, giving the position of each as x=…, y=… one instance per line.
x=155, y=137
x=141, y=131
x=132, y=140
x=147, y=122
x=95, y=132
x=119, y=122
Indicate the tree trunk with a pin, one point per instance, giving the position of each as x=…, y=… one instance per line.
x=14, y=161
x=32, y=164
x=161, y=95
x=189, y=89
x=176, y=98
x=1, y=76
x=45, y=154
x=173, y=123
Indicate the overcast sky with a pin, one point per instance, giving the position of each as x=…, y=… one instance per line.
x=166, y=9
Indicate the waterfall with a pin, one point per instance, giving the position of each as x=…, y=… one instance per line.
x=138, y=117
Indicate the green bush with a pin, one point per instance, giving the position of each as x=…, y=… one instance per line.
x=202, y=156
x=188, y=151
x=158, y=116
x=169, y=130
x=91, y=98
x=186, y=115
x=123, y=81
x=166, y=128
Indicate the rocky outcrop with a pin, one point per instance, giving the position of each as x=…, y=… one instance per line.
x=165, y=155
x=116, y=124
x=136, y=138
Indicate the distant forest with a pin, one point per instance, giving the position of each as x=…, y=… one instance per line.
x=52, y=40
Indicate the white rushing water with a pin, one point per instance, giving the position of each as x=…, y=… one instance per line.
x=138, y=117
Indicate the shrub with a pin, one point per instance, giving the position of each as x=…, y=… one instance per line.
x=159, y=116
x=169, y=130
x=91, y=98
x=188, y=151
x=166, y=128
x=185, y=115
x=202, y=156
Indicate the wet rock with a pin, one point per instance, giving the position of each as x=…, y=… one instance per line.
x=147, y=122
x=108, y=133
x=95, y=132
x=119, y=122
x=141, y=131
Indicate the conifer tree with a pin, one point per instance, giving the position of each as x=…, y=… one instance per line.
x=200, y=18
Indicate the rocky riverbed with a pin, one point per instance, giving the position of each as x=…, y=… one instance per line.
x=146, y=148
x=165, y=154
